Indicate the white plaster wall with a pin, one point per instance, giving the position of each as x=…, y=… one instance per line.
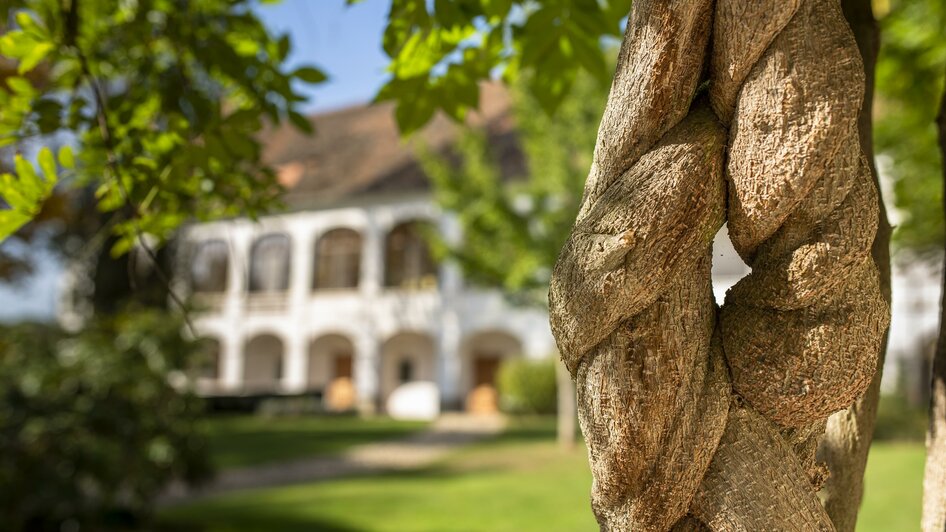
x=369, y=315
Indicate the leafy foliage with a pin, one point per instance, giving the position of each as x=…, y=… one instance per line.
x=90, y=428
x=514, y=226
x=441, y=50
x=26, y=192
x=163, y=99
x=910, y=77
x=528, y=386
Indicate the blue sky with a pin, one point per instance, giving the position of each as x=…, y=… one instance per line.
x=342, y=40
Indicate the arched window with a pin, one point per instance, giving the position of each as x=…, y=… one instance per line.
x=408, y=261
x=208, y=272
x=269, y=264
x=337, y=260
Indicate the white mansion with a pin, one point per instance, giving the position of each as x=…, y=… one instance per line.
x=339, y=295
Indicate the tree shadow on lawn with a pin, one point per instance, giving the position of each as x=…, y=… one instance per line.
x=254, y=519
x=265, y=447
x=287, y=512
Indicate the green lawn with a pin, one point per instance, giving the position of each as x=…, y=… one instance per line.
x=252, y=440
x=520, y=481
x=893, y=488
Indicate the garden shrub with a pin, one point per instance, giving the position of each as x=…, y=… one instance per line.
x=897, y=419
x=528, y=386
x=91, y=428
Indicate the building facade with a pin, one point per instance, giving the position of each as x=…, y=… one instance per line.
x=317, y=299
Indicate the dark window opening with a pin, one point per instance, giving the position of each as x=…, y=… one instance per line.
x=269, y=264
x=208, y=272
x=405, y=371
x=408, y=259
x=337, y=260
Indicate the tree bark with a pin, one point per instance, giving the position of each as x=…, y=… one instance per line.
x=934, y=479
x=676, y=439
x=849, y=433
x=567, y=413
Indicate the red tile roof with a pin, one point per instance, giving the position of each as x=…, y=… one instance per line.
x=358, y=151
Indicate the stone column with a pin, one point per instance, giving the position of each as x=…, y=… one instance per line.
x=448, y=367
x=231, y=352
x=234, y=306
x=372, y=259
x=449, y=338
x=300, y=286
x=367, y=373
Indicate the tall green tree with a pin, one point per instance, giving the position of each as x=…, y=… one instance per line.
x=163, y=98
x=513, y=226
x=909, y=82
x=911, y=89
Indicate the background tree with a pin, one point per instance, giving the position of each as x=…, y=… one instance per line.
x=909, y=83
x=162, y=99
x=152, y=110
x=910, y=91
x=514, y=226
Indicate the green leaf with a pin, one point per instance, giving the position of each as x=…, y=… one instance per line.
x=302, y=123
x=26, y=192
x=35, y=56
x=310, y=75
x=47, y=164
x=11, y=221
x=283, y=46
x=66, y=158
x=497, y=8
x=20, y=86
x=412, y=113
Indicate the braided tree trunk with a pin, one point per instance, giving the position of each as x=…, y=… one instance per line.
x=697, y=416
x=847, y=439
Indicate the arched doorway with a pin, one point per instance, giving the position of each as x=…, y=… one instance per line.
x=482, y=355
x=331, y=369
x=262, y=363
x=405, y=358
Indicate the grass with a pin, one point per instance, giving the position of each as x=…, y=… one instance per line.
x=237, y=441
x=520, y=481
x=893, y=487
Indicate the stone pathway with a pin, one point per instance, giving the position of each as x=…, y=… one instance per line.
x=448, y=433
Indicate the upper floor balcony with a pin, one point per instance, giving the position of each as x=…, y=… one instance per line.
x=273, y=268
